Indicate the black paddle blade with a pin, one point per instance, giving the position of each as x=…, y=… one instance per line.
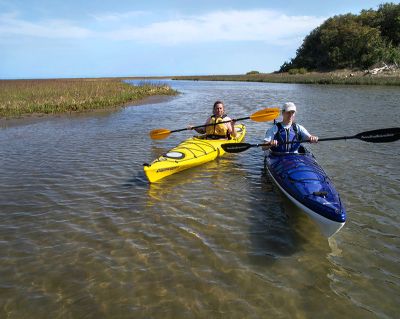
x=235, y=147
x=385, y=135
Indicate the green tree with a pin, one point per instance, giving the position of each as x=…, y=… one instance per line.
x=389, y=22
x=351, y=41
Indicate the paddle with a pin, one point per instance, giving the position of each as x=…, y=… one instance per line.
x=376, y=136
x=263, y=115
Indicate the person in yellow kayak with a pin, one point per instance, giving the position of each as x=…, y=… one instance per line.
x=287, y=131
x=224, y=130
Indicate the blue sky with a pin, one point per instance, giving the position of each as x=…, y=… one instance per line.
x=74, y=38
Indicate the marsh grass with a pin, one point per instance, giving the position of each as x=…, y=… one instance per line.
x=343, y=77
x=24, y=97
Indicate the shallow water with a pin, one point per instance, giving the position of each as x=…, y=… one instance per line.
x=84, y=235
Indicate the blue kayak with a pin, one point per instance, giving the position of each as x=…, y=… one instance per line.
x=305, y=183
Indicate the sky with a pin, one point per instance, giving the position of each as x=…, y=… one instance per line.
x=118, y=38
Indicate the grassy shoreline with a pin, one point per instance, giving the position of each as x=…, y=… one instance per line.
x=346, y=77
x=22, y=98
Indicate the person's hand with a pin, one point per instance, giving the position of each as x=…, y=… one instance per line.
x=273, y=143
x=268, y=145
x=190, y=127
x=313, y=139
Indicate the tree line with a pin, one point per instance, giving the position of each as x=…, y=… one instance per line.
x=351, y=41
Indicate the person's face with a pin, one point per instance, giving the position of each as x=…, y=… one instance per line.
x=288, y=116
x=219, y=109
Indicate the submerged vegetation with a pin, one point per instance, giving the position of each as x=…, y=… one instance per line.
x=23, y=97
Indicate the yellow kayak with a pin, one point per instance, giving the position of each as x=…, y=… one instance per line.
x=192, y=152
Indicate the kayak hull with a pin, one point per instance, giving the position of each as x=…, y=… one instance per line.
x=192, y=152
x=305, y=183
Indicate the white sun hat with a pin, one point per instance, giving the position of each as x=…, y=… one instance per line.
x=289, y=106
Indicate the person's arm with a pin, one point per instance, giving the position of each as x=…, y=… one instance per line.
x=201, y=129
x=306, y=136
x=269, y=138
x=230, y=126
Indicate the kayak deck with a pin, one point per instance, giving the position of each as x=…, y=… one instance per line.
x=305, y=183
x=190, y=153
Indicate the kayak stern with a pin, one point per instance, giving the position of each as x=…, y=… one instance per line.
x=304, y=182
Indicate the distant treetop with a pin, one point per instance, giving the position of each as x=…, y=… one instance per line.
x=252, y=72
x=351, y=41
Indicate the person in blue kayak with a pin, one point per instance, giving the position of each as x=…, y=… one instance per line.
x=287, y=131
x=218, y=131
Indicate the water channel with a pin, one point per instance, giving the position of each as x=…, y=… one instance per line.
x=84, y=235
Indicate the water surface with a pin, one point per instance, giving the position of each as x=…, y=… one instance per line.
x=84, y=235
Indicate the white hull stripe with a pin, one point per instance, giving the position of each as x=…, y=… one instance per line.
x=328, y=227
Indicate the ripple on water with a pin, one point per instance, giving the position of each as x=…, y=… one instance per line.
x=83, y=234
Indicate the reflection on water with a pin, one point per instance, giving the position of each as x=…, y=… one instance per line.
x=272, y=227
x=84, y=235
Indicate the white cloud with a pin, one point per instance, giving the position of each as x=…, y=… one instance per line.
x=11, y=25
x=254, y=25
x=118, y=16
x=251, y=25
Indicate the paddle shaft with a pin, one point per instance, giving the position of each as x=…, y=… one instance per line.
x=335, y=138
x=324, y=139
x=198, y=126
x=263, y=115
x=375, y=136
x=319, y=140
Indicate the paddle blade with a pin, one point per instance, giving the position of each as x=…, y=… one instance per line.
x=160, y=133
x=265, y=115
x=380, y=136
x=235, y=147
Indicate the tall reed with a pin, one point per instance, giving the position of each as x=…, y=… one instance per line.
x=308, y=78
x=22, y=97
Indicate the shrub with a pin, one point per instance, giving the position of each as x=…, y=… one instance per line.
x=252, y=72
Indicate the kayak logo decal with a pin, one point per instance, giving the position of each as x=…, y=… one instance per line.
x=377, y=136
x=160, y=170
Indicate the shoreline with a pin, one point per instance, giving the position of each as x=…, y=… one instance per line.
x=343, y=77
x=33, y=100
x=33, y=118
